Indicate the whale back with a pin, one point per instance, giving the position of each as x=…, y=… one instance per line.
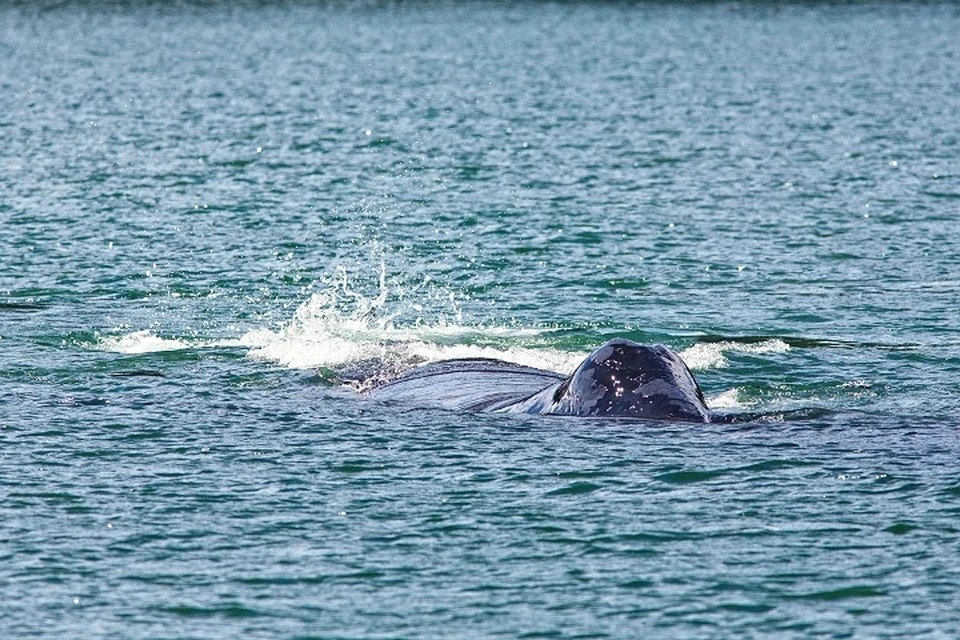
x=475, y=384
x=623, y=378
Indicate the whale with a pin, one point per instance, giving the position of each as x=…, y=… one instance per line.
x=621, y=379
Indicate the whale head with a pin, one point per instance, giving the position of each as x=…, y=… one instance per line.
x=624, y=378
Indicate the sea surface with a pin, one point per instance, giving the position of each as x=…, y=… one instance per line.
x=218, y=221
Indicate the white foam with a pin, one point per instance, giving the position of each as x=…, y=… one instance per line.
x=551, y=359
x=729, y=399
x=140, y=342
x=342, y=326
x=352, y=320
x=321, y=335
x=710, y=355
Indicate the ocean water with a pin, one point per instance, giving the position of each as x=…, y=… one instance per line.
x=220, y=219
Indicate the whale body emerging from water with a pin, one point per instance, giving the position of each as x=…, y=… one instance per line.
x=620, y=379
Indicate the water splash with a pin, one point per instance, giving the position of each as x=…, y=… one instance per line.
x=729, y=399
x=139, y=342
x=349, y=325
x=710, y=355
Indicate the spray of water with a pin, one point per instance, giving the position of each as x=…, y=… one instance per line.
x=375, y=334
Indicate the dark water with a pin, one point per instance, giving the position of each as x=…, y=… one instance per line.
x=214, y=215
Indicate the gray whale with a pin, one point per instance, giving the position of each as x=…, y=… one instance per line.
x=619, y=379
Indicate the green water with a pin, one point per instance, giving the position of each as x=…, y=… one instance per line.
x=214, y=215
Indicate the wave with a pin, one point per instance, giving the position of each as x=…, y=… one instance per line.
x=710, y=355
x=139, y=342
